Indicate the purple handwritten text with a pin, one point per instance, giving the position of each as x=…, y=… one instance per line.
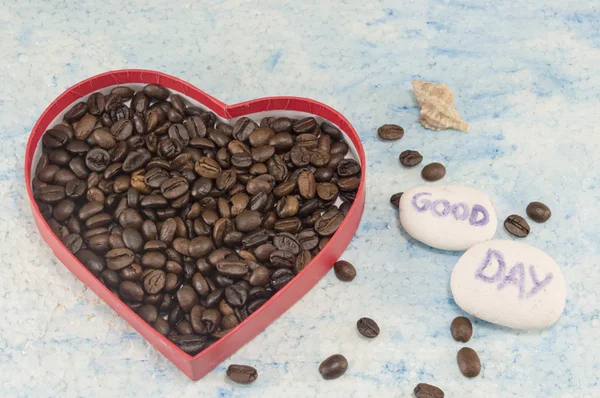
x=478, y=216
x=515, y=275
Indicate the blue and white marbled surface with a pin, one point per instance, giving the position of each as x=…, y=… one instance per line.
x=525, y=76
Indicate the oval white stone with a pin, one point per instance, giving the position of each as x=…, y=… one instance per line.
x=448, y=217
x=509, y=283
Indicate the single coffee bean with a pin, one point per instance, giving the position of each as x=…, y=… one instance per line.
x=410, y=158
x=329, y=222
x=433, y=172
x=348, y=168
x=461, y=329
x=307, y=186
x=73, y=242
x=344, y=271
x=517, y=226
x=191, y=344
x=423, y=390
x=538, y=212
x=390, y=132
x=91, y=261
x=211, y=319
x=131, y=291
x=157, y=92
x=243, y=128
x=333, y=367
x=395, y=199
x=367, y=327
x=281, y=277
x=236, y=295
x=187, y=298
x=117, y=259
x=97, y=159
x=242, y=374
x=154, y=281
x=148, y=313
x=83, y=128
x=468, y=362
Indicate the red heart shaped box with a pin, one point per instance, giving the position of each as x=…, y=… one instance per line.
x=195, y=367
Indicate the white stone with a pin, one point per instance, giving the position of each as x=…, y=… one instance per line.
x=448, y=217
x=510, y=284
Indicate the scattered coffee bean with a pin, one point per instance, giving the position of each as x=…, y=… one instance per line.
x=468, y=362
x=538, y=212
x=188, y=218
x=423, y=390
x=517, y=226
x=367, y=327
x=395, y=199
x=461, y=329
x=333, y=367
x=344, y=271
x=433, y=172
x=242, y=374
x=390, y=132
x=410, y=158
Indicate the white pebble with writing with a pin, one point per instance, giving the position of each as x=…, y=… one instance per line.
x=448, y=217
x=510, y=284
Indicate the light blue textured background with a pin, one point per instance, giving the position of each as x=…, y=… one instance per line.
x=525, y=76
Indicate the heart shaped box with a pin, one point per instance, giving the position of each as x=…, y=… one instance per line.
x=195, y=367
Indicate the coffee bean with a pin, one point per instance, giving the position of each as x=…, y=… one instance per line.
x=208, y=168
x=242, y=374
x=154, y=281
x=307, y=186
x=468, y=362
x=281, y=277
x=157, y=92
x=191, y=344
x=461, y=329
x=51, y=193
x=423, y=390
x=367, y=327
x=73, y=242
x=538, y=212
x=344, y=271
x=517, y=226
x=91, y=261
x=333, y=367
x=187, y=298
x=329, y=222
x=211, y=319
x=395, y=199
x=97, y=159
x=117, y=259
x=410, y=158
x=131, y=291
x=84, y=127
x=390, y=132
x=236, y=295
x=433, y=172
x=243, y=128
x=348, y=168
x=232, y=268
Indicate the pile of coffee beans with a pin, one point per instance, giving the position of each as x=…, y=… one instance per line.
x=192, y=222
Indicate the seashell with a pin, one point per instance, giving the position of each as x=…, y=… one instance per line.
x=437, y=106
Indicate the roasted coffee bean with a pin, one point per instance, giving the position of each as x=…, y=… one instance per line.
x=131, y=291
x=423, y=390
x=148, y=313
x=433, y=172
x=331, y=131
x=282, y=259
x=73, y=242
x=236, y=295
x=153, y=259
x=302, y=260
x=59, y=157
x=91, y=261
x=280, y=277
x=329, y=222
x=97, y=159
x=395, y=199
x=290, y=224
x=154, y=281
x=232, y=268
x=287, y=242
x=208, y=168
x=174, y=187
x=468, y=362
x=200, y=246
x=191, y=344
x=333, y=367
x=187, y=298
x=117, y=259
x=306, y=125
x=410, y=158
x=63, y=210
x=83, y=128
x=132, y=272
x=390, y=132
x=157, y=92
x=243, y=128
x=328, y=191
x=461, y=329
x=307, y=186
x=538, y=212
x=211, y=319
x=367, y=327
x=517, y=226
x=348, y=168
x=344, y=271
